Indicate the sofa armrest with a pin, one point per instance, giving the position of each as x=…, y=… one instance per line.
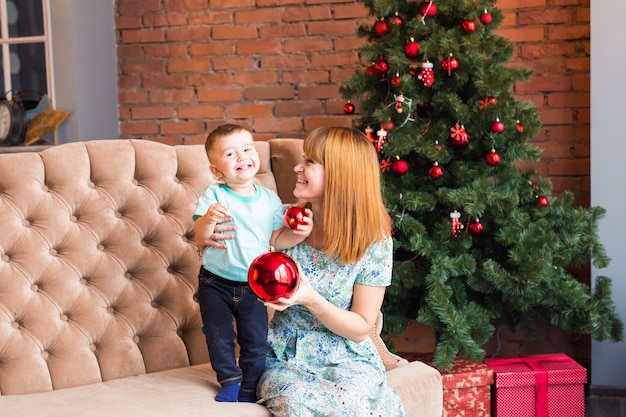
x=419, y=387
x=390, y=360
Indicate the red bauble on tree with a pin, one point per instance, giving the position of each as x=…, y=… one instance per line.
x=493, y=158
x=381, y=27
x=459, y=136
x=411, y=48
x=435, y=172
x=519, y=126
x=476, y=227
x=273, y=275
x=426, y=75
x=294, y=217
x=348, y=108
x=450, y=64
x=400, y=167
x=543, y=201
x=428, y=9
x=397, y=19
x=497, y=126
x=382, y=66
x=485, y=18
x=468, y=26
x=388, y=125
x=396, y=80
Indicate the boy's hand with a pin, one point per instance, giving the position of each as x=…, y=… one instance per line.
x=217, y=213
x=306, y=228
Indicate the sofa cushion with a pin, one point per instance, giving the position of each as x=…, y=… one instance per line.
x=191, y=391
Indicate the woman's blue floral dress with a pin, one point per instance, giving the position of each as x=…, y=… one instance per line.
x=311, y=371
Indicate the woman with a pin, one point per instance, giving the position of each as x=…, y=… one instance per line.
x=321, y=360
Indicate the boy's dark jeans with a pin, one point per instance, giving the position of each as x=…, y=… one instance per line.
x=220, y=301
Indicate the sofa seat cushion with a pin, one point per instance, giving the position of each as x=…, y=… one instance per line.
x=188, y=391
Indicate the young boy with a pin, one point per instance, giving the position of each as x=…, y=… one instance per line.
x=223, y=291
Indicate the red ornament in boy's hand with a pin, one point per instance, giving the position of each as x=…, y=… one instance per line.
x=273, y=275
x=294, y=216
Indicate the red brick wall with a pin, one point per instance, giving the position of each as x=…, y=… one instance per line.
x=275, y=66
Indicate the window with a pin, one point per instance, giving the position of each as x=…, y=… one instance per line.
x=25, y=62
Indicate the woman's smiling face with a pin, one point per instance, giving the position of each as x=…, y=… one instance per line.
x=310, y=182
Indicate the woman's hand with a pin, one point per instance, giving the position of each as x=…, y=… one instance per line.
x=303, y=294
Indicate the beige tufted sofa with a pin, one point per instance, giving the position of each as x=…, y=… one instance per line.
x=97, y=278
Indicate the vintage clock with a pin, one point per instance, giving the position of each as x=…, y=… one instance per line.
x=12, y=122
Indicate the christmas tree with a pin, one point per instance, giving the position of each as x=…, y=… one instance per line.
x=477, y=238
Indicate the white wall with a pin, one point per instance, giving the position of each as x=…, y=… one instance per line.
x=85, y=68
x=608, y=167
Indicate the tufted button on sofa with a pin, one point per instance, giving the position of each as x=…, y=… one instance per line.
x=98, y=272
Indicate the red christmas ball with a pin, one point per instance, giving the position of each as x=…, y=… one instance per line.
x=476, y=228
x=381, y=28
x=382, y=66
x=461, y=140
x=388, y=125
x=497, y=126
x=543, y=201
x=400, y=167
x=397, y=19
x=519, y=126
x=294, y=217
x=435, y=172
x=450, y=64
x=273, y=275
x=348, y=108
x=468, y=26
x=493, y=158
x=428, y=9
x=485, y=18
x=396, y=81
x=411, y=48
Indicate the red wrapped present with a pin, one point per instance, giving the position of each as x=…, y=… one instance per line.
x=466, y=388
x=538, y=386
